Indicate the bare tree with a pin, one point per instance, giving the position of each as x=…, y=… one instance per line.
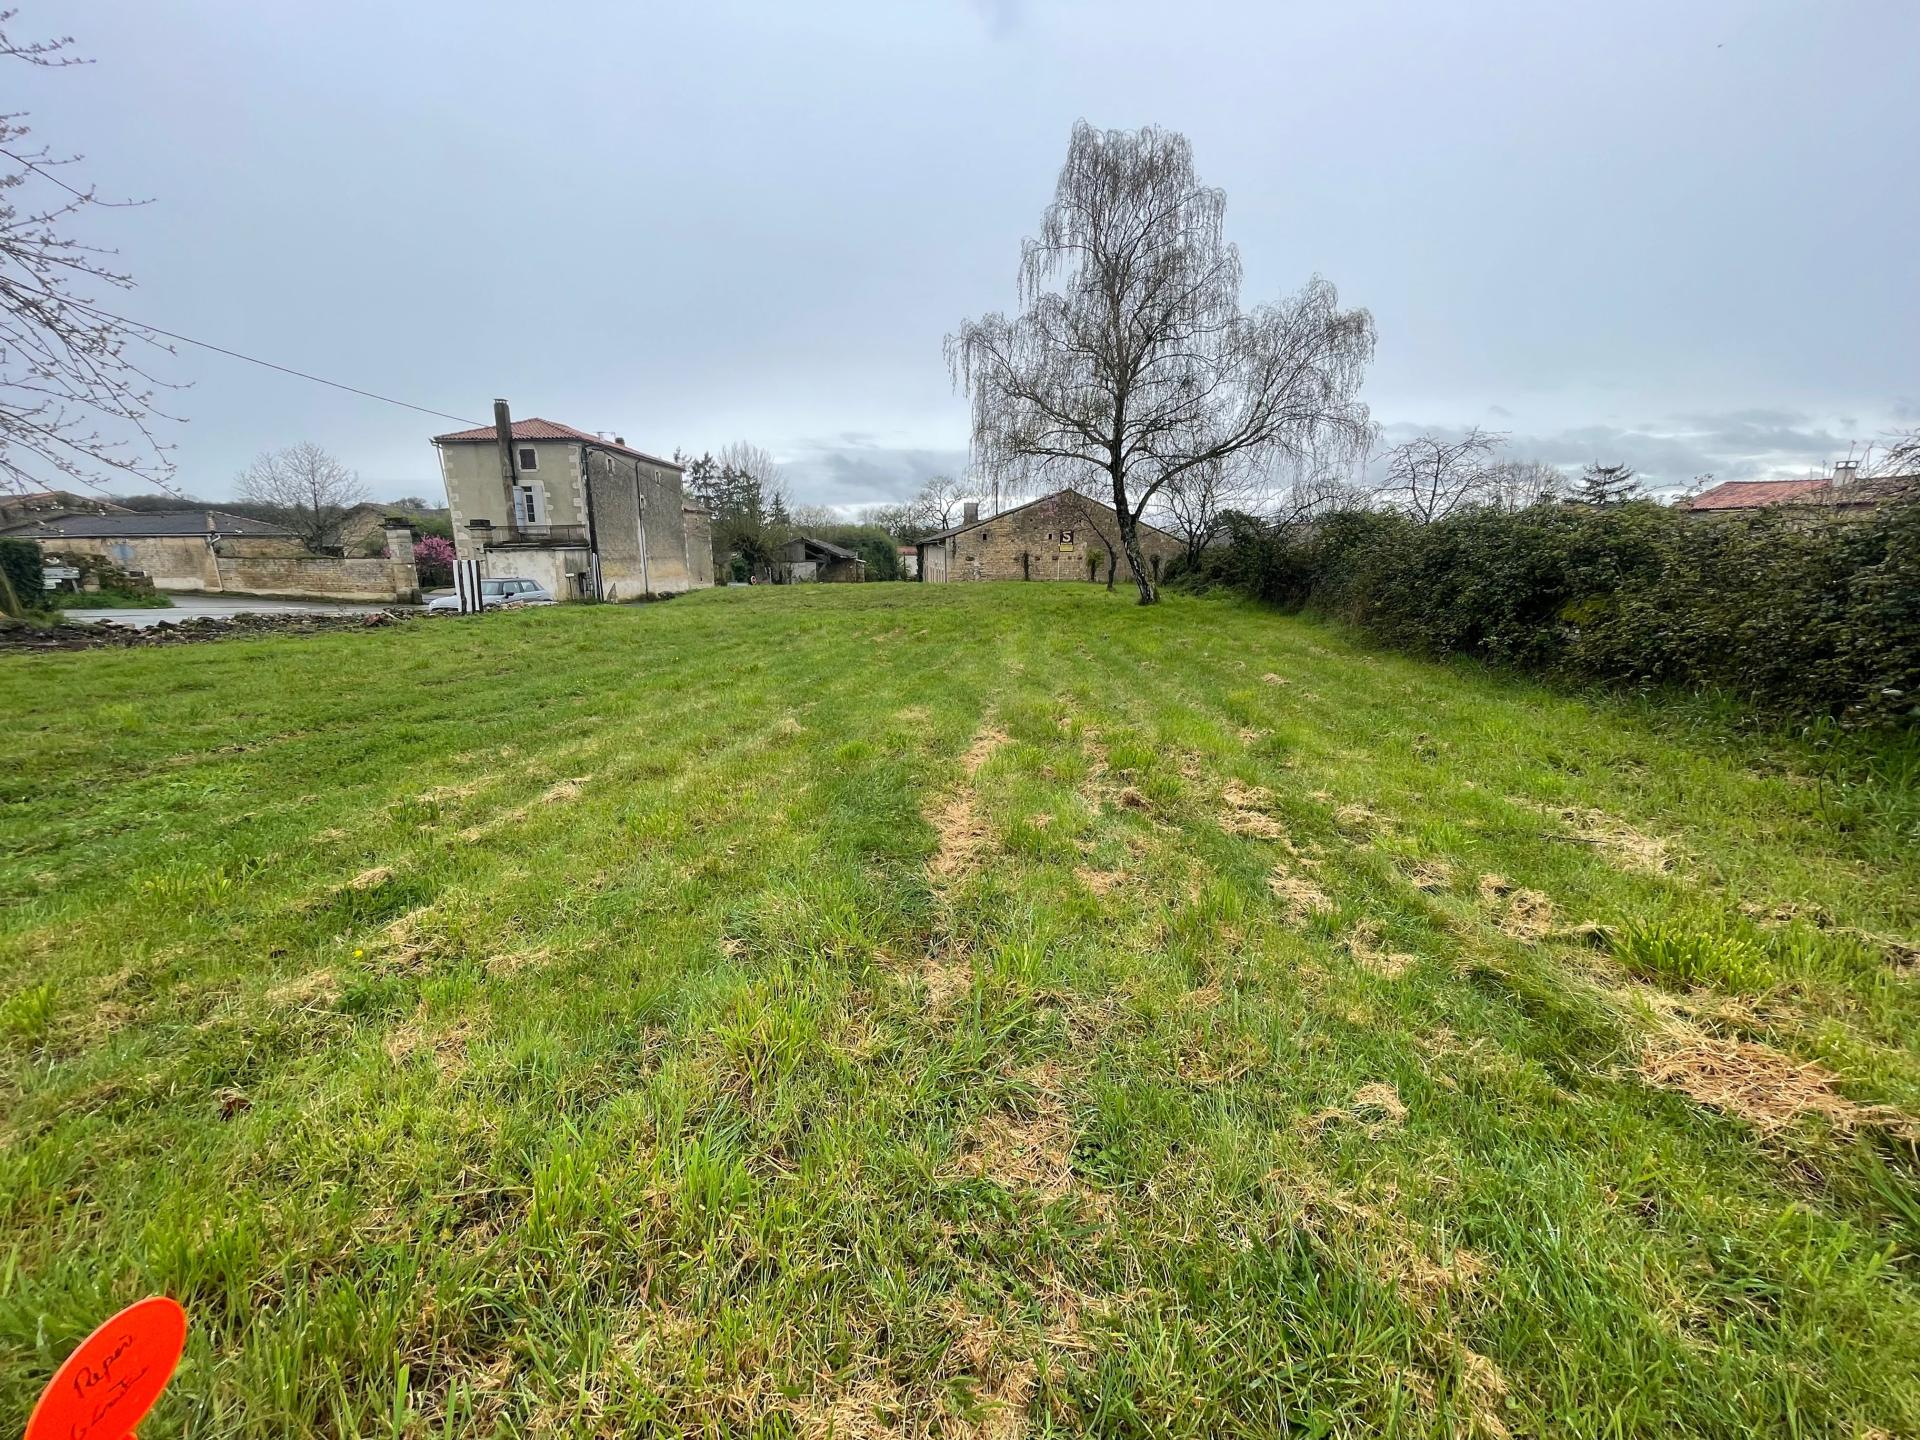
x=1900, y=457
x=309, y=489
x=1316, y=491
x=813, y=517
x=1131, y=355
x=756, y=461
x=74, y=405
x=1429, y=477
x=1518, y=484
x=940, y=502
x=1196, y=501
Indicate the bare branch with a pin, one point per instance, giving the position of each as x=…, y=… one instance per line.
x=308, y=488
x=75, y=406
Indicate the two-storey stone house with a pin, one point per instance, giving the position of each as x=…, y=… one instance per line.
x=585, y=515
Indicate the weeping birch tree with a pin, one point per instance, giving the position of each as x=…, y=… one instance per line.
x=1131, y=362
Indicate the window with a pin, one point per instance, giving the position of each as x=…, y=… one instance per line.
x=529, y=505
x=529, y=458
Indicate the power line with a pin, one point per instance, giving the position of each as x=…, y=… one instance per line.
x=237, y=355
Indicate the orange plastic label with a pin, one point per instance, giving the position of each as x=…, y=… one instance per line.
x=110, y=1383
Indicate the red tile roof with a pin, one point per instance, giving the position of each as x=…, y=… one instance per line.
x=1754, y=494
x=538, y=429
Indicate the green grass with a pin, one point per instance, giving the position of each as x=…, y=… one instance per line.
x=108, y=600
x=973, y=1009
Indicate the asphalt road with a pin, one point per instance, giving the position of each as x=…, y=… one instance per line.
x=188, y=607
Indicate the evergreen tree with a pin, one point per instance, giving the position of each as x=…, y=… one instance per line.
x=1606, y=485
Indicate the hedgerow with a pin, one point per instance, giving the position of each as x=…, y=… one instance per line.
x=1798, y=612
x=21, y=583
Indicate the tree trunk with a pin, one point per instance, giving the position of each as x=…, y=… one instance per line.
x=1130, y=540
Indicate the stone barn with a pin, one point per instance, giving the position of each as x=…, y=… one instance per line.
x=1063, y=536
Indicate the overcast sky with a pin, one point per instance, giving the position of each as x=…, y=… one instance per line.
x=1681, y=236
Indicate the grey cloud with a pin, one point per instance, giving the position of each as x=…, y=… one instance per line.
x=778, y=257
x=834, y=472
x=1738, y=445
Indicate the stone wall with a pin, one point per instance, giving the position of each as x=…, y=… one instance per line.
x=172, y=562
x=699, y=528
x=271, y=565
x=1050, y=539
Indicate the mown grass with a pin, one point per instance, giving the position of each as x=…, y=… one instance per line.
x=970, y=1010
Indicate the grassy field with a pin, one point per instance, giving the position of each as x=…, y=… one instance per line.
x=998, y=1010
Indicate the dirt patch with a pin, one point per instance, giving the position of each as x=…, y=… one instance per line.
x=1100, y=882
x=1758, y=1084
x=370, y=879
x=1299, y=897
x=1431, y=875
x=1272, y=679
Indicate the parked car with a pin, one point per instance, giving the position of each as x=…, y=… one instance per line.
x=506, y=591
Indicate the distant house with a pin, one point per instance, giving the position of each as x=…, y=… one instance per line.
x=586, y=515
x=804, y=559
x=1844, y=490
x=909, y=562
x=1063, y=536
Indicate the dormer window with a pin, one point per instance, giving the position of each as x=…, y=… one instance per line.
x=529, y=458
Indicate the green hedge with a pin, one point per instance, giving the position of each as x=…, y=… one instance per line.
x=22, y=585
x=1798, y=612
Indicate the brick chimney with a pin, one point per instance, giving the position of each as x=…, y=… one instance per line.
x=970, y=512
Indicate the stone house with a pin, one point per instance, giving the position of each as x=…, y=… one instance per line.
x=218, y=553
x=585, y=515
x=1063, y=536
